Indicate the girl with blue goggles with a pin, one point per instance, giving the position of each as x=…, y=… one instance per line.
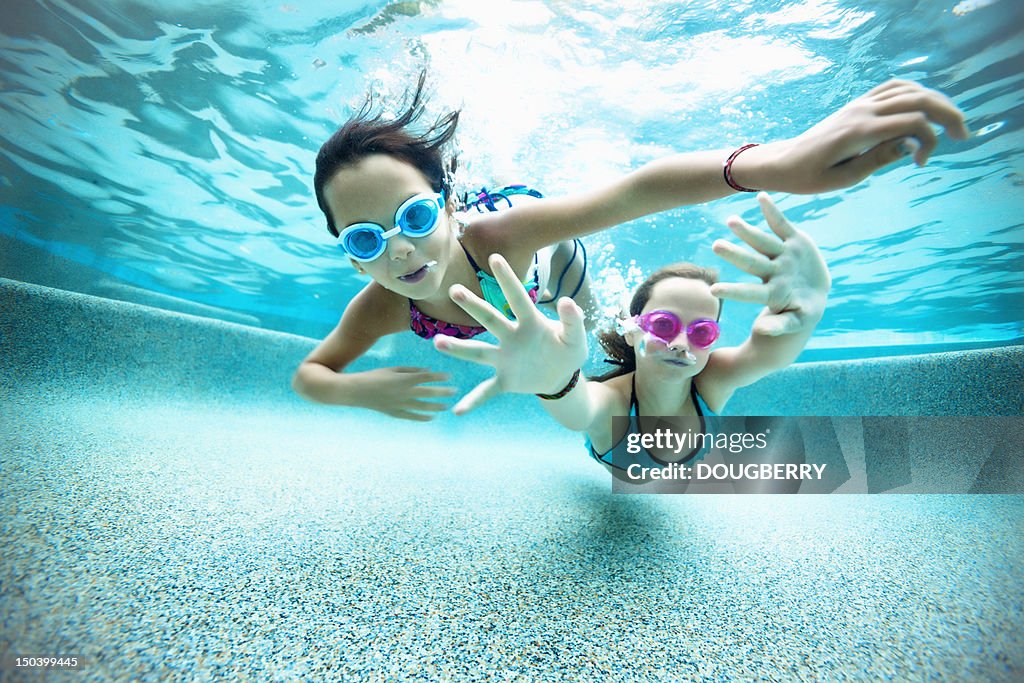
x=418, y=216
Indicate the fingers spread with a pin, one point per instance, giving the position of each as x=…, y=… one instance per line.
x=571, y=317
x=756, y=264
x=409, y=415
x=764, y=242
x=467, y=349
x=518, y=300
x=431, y=406
x=484, y=313
x=778, y=324
x=432, y=392
x=779, y=224
x=748, y=292
x=479, y=395
x=935, y=106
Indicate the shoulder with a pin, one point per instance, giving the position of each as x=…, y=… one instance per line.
x=494, y=233
x=714, y=382
x=613, y=396
x=621, y=386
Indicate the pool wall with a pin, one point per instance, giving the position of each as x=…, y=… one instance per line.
x=979, y=382
x=54, y=336
x=962, y=438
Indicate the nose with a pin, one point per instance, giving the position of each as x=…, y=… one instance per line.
x=680, y=343
x=399, y=248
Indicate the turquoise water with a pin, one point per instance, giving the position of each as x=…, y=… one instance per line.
x=169, y=511
x=163, y=152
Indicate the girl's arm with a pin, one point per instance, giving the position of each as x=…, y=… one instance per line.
x=794, y=288
x=585, y=407
x=395, y=391
x=870, y=132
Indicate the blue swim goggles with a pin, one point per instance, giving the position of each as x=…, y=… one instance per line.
x=418, y=216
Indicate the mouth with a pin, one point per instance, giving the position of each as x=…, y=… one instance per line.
x=684, y=362
x=417, y=275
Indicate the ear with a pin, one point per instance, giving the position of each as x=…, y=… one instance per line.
x=455, y=221
x=456, y=225
x=357, y=265
x=632, y=337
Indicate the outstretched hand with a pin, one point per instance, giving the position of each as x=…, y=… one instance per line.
x=534, y=354
x=794, y=278
x=887, y=123
x=405, y=392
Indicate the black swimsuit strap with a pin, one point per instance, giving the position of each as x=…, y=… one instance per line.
x=469, y=256
x=478, y=270
x=633, y=403
x=696, y=405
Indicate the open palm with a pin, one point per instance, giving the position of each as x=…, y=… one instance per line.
x=534, y=354
x=794, y=278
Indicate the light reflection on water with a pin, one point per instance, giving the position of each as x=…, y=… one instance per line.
x=171, y=148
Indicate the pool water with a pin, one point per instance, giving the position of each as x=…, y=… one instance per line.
x=162, y=152
x=170, y=510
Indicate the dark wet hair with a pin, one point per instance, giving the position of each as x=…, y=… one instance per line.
x=618, y=350
x=369, y=133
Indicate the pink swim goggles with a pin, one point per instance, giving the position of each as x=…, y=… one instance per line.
x=665, y=326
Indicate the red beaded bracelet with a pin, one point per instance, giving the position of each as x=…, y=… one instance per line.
x=568, y=387
x=727, y=169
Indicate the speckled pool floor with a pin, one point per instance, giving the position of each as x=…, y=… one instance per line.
x=215, y=541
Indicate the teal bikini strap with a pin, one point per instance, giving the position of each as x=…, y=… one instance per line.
x=490, y=288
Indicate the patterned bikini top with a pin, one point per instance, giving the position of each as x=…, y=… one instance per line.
x=427, y=327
